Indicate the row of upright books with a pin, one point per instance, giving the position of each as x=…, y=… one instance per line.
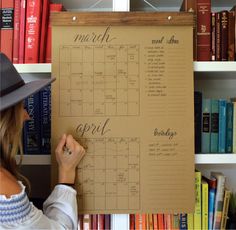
x=215, y=125
x=25, y=35
x=212, y=211
x=37, y=130
x=214, y=33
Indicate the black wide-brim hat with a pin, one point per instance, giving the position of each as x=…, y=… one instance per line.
x=13, y=89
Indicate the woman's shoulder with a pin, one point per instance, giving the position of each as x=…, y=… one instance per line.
x=9, y=185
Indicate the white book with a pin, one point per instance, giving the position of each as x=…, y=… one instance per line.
x=120, y=221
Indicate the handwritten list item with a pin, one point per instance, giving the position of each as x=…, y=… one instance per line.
x=126, y=93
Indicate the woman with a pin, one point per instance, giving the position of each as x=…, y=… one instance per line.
x=16, y=212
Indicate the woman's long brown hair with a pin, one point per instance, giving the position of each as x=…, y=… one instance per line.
x=11, y=125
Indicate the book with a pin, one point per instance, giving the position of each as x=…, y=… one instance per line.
x=227, y=195
x=218, y=36
x=219, y=199
x=234, y=126
x=213, y=36
x=45, y=120
x=86, y=222
x=229, y=128
x=198, y=121
x=138, y=221
x=206, y=121
x=107, y=220
x=160, y=221
x=234, y=10
x=44, y=27
x=203, y=30
x=204, y=188
x=22, y=31
x=32, y=31
x=175, y=221
x=224, y=24
x=190, y=221
x=231, y=36
x=198, y=210
x=155, y=221
x=214, y=134
x=31, y=131
x=222, y=125
x=53, y=7
x=7, y=23
x=211, y=199
x=16, y=31
x=132, y=221
x=183, y=223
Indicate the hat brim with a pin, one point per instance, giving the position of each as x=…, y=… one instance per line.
x=23, y=92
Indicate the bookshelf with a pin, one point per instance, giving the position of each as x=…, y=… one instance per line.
x=215, y=79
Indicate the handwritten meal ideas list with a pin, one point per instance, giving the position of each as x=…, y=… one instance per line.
x=126, y=94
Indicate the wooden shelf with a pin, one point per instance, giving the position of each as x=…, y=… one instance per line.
x=215, y=158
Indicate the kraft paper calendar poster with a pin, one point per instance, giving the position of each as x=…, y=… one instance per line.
x=126, y=94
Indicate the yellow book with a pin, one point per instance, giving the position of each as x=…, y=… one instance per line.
x=190, y=221
x=197, y=214
x=204, y=205
x=224, y=217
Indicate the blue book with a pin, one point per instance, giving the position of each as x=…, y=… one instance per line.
x=214, y=126
x=229, y=127
x=45, y=125
x=183, y=221
x=206, y=113
x=222, y=125
x=31, y=131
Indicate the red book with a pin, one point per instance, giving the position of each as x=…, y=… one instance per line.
x=132, y=221
x=224, y=34
x=101, y=221
x=7, y=27
x=44, y=26
x=33, y=19
x=53, y=8
x=203, y=30
x=155, y=222
x=161, y=221
x=16, y=32
x=94, y=221
x=138, y=221
x=22, y=31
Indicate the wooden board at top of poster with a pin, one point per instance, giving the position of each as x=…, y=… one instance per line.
x=124, y=89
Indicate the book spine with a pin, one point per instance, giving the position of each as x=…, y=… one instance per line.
x=225, y=209
x=7, y=23
x=214, y=126
x=45, y=114
x=144, y=222
x=204, y=205
x=44, y=24
x=108, y=221
x=22, y=31
x=190, y=221
x=231, y=36
x=16, y=32
x=229, y=128
x=86, y=221
x=32, y=31
x=218, y=200
x=183, y=221
x=94, y=222
x=175, y=224
x=155, y=222
x=132, y=221
x=211, y=201
x=218, y=37
x=206, y=113
x=203, y=30
x=52, y=8
x=213, y=36
x=32, y=139
x=224, y=35
x=234, y=127
x=198, y=120
x=138, y=221
x=160, y=221
x=197, y=214
x=222, y=125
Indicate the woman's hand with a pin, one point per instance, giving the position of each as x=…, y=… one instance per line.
x=68, y=154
